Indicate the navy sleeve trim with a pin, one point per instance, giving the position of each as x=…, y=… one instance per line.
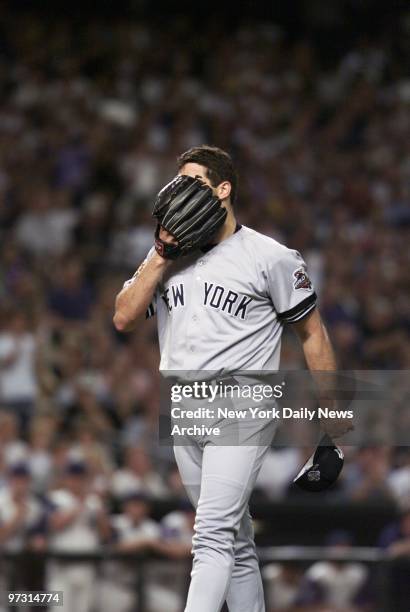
x=299, y=311
x=150, y=311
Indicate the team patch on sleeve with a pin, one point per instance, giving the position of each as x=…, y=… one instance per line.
x=302, y=280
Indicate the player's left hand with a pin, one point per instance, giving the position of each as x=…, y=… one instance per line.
x=190, y=214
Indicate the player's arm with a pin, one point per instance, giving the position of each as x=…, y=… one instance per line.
x=320, y=357
x=133, y=300
x=316, y=344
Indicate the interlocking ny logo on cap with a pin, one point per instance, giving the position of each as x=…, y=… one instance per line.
x=313, y=474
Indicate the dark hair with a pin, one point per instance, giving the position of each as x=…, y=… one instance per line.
x=218, y=163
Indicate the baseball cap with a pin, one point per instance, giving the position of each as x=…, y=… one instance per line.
x=134, y=495
x=76, y=468
x=20, y=469
x=322, y=469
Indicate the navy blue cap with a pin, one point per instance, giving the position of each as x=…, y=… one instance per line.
x=19, y=469
x=134, y=496
x=322, y=469
x=76, y=468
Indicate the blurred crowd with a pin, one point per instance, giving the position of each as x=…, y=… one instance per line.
x=92, y=118
x=74, y=517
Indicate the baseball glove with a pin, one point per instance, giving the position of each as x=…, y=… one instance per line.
x=187, y=209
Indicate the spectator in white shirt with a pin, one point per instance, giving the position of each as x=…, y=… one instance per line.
x=137, y=474
x=22, y=527
x=18, y=382
x=336, y=585
x=282, y=584
x=12, y=448
x=172, y=578
x=77, y=524
x=21, y=513
x=45, y=227
x=132, y=532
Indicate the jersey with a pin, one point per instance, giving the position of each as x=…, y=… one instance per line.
x=81, y=534
x=33, y=523
x=227, y=305
x=126, y=531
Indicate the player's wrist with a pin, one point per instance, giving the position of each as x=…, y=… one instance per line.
x=159, y=261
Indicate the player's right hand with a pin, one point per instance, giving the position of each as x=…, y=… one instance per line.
x=335, y=428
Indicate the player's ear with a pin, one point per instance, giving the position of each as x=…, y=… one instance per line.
x=223, y=190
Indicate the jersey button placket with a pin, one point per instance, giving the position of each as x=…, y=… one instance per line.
x=192, y=323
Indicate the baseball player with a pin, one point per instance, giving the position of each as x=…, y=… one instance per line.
x=222, y=293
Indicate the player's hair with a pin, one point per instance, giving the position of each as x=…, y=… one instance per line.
x=218, y=163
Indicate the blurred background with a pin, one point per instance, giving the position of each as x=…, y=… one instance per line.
x=312, y=99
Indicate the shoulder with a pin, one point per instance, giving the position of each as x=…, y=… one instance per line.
x=264, y=246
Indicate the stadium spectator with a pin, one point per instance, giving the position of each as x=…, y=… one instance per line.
x=40, y=439
x=12, y=448
x=137, y=473
x=399, y=478
x=282, y=585
x=92, y=118
x=395, y=539
x=22, y=516
x=175, y=544
x=18, y=380
x=367, y=476
x=335, y=585
x=132, y=532
x=22, y=528
x=77, y=523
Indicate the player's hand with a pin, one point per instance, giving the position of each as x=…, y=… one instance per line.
x=166, y=236
x=335, y=428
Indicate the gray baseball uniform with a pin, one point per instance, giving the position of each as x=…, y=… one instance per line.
x=224, y=309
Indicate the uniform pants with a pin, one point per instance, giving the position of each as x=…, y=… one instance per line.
x=219, y=481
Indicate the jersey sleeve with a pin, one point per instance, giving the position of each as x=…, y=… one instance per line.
x=290, y=287
x=151, y=310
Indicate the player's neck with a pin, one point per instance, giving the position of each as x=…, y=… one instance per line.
x=228, y=227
